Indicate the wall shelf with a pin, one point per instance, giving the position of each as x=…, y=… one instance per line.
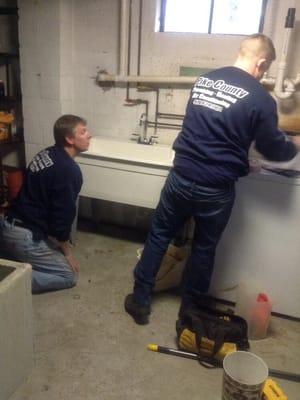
x=11, y=101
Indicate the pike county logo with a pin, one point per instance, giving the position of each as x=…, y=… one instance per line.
x=216, y=95
x=41, y=161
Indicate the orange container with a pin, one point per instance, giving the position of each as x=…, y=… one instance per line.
x=259, y=317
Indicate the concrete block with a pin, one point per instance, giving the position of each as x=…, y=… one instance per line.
x=66, y=87
x=27, y=54
x=32, y=130
x=31, y=85
x=66, y=108
x=48, y=57
x=50, y=87
x=16, y=339
x=31, y=107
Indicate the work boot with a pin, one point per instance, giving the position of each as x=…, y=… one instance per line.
x=139, y=312
x=190, y=302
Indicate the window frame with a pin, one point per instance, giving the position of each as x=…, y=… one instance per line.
x=162, y=17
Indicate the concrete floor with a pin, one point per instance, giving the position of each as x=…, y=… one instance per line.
x=87, y=347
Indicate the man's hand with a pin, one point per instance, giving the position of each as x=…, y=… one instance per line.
x=296, y=141
x=73, y=263
x=66, y=248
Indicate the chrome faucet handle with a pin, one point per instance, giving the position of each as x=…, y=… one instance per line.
x=151, y=139
x=142, y=140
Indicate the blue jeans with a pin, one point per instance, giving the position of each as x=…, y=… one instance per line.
x=180, y=200
x=50, y=269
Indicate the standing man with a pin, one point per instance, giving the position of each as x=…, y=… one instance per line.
x=38, y=225
x=227, y=110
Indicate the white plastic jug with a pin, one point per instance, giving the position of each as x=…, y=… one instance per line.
x=255, y=307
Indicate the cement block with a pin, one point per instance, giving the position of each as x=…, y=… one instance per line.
x=16, y=339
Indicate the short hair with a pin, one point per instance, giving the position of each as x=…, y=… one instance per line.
x=65, y=126
x=263, y=47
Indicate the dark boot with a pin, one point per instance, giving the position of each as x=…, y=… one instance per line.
x=139, y=312
x=189, y=302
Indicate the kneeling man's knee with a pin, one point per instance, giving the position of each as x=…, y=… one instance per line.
x=72, y=280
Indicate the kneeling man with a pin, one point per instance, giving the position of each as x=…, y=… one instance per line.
x=37, y=228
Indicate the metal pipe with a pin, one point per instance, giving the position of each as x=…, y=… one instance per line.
x=123, y=37
x=170, y=116
x=129, y=101
x=156, y=111
x=146, y=121
x=179, y=80
x=129, y=48
x=139, y=38
x=163, y=125
x=279, y=90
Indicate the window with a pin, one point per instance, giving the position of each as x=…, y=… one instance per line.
x=240, y=17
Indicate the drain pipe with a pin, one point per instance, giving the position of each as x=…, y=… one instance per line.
x=128, y=51
x=124, y=37
x=103, y=76
x=280, y=91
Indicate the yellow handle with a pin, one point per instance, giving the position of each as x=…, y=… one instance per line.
x=272, y=391
x=152, y=347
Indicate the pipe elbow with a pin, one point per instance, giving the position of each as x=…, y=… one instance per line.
x=104, y=76
x=282, y=95
x=289, y=86
x=288, y=89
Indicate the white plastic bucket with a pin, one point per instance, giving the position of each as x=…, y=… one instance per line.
x=244, y=376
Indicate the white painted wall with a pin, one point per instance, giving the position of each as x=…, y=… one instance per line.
x=63, y=43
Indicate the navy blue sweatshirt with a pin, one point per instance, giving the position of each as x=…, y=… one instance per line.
x=47, y=201
x=227, y=110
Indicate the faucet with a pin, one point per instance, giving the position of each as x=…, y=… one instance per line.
x=142, y=137
x=145, y=140
x=152, y=139
x=143, y=123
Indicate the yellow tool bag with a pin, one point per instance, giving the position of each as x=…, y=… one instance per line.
x=210, y=333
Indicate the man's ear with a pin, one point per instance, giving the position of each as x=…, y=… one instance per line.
x=69, y=139
x=263, y=65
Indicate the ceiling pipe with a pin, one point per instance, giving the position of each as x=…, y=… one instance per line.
x=280, y=91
